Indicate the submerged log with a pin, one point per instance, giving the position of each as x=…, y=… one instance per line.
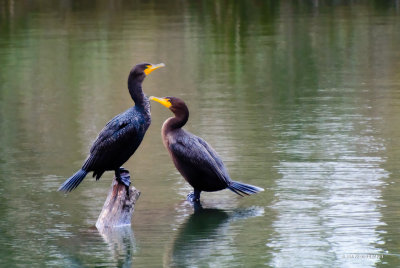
x=119, y=205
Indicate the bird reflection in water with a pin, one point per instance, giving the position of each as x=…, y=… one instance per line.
x=202, y=239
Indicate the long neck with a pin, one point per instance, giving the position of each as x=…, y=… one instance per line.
x=176, y=122
x=135, y=89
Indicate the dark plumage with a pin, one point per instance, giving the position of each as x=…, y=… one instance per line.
x=120, y=138
x=195, y=159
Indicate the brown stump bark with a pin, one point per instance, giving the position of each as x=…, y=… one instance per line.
x=118, y=207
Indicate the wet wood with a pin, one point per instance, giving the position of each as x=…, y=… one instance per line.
x=118, y=207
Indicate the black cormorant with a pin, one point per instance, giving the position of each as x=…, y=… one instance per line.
x=195, y=159
x=120, y=138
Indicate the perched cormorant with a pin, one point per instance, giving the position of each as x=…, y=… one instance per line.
x=120, y=138
x=195, y=159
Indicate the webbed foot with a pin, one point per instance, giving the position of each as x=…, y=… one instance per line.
x=122, y=175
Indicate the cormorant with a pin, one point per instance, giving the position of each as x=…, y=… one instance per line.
x=120, y=138
x=195, y=159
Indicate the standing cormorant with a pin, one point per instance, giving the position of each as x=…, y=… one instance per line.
x=195, y=159
x=120, y=138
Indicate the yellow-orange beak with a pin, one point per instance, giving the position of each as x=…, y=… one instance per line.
x=163, y=101
x=152, y=67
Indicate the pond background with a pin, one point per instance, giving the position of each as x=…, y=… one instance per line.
x=299, y=97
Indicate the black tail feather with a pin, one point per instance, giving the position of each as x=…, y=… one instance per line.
x=73, y=181
x=244, y=189
x=235, y=191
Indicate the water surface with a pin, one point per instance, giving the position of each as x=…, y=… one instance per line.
x=300, y=98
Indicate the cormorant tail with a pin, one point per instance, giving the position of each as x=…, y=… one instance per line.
x=244, y=189
x=73, y=181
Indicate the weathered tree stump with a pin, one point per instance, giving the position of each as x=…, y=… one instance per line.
x=119, y=205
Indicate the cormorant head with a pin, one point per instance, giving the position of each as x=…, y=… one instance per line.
x=176, y=105
x=140, y=71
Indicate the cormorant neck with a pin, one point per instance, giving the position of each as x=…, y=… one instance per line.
x=180, y=119
x=135, y=89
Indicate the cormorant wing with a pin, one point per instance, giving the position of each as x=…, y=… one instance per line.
x=213, y=154
x=110, y=133
x=190, y=150
x=109, y=141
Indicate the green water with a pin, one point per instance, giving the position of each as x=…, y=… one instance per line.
x=301, y=98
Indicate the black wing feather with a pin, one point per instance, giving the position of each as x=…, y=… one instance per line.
x=114, y=138
x=196, y=152
x=215, y=156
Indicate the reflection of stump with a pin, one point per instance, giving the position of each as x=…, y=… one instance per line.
x=118, y=207
x=121, y=243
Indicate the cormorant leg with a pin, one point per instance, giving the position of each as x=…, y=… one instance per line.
x=122, y=175
x=194, y=196
x=118, y=174
x=197, y=206
x=194, y=199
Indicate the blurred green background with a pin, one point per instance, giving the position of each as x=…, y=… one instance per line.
x=298, y=97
